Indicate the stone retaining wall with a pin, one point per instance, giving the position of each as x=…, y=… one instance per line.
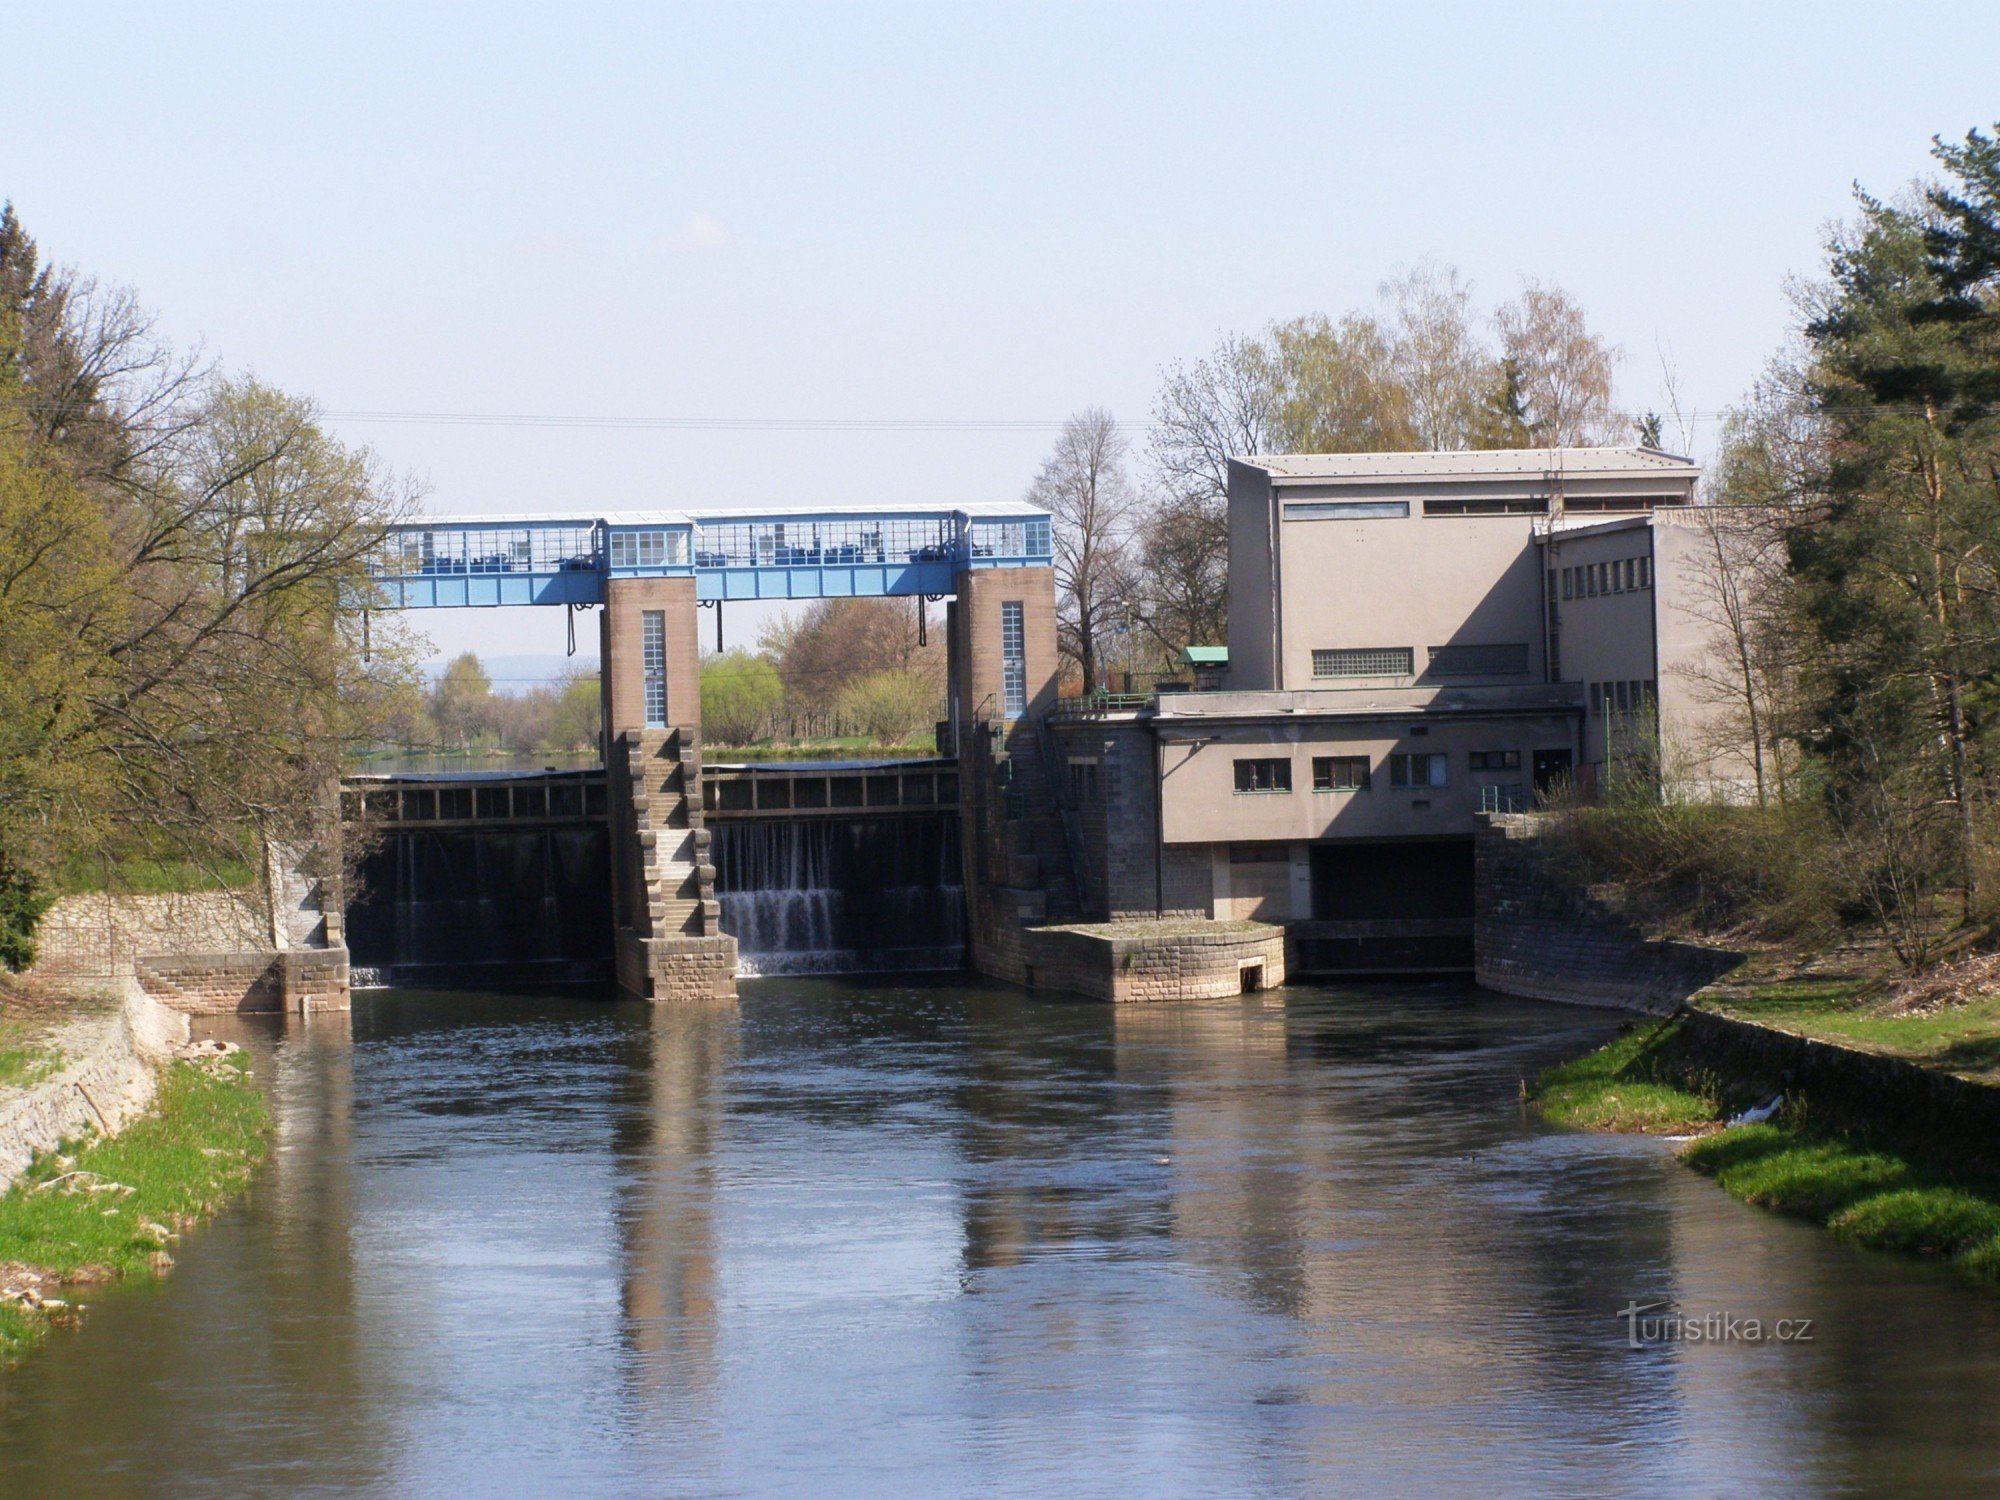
x=1846, y=1088
x=1136, y=963
x=1537, y=936
x=298, y=981
x=668, y=969
x=101, y=936
x=109, y=1073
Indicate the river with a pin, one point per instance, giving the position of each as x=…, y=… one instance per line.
x=858, y=1239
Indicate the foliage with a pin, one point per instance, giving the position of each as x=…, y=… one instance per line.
x=1427, y=371
x=832, y=645
x=179, y=556
x=892, y=708
x=1621, y=1087
x=197, y=1150
x=741, y=695
x=21, y=906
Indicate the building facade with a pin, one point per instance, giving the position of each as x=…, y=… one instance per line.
x=1414, y=638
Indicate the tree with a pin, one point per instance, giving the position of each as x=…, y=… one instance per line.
x=1341, y=390
x=1561, y=371
x=892, y=708
x=740, y=696
x=576, y=718
x=1180, y=595
x=1439, y=354
x=1083, y=486
x=833, y=644
x=462, y=697
x=196, y=545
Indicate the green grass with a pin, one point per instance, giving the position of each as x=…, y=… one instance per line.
x=1623, y=1086
x=1961, y=1039
x=153, y=877
x=1872, y=1195
x=24, y=1058
x=1886, y=1195
x=197, y=1150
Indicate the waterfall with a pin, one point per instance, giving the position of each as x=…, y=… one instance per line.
x=841, y=895
x=468, y=906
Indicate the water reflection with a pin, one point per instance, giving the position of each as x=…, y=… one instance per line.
x=851, y=1238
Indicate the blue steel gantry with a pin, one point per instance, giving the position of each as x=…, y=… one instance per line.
x=444, y=562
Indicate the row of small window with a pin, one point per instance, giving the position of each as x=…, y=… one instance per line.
x=1618, y=576
x=1524, y=505
x=1629, y=697
x=1509, y=659
x=1351, y=773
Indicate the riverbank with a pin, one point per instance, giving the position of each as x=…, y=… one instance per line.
x=1903, y=1185
x=110, y=1208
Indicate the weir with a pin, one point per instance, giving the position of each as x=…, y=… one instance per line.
x=819, y=868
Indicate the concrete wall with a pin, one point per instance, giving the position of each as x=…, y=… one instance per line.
x=1419, y=581
x=1704, y=726
x=1204, y=807
x=1253, y=592
x=1607, y=637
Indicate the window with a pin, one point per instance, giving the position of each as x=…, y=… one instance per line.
x=1013, y=660
x=1371, y=661
x=1536, y=506
x=1479, y=661
x=645, y=549
x=1645, y=572
x=1569, y=582
x=1590, y=581
x=653, y=665
x=1494, y=760
x=1263, y=776
x=1340, y=773
x=1417, y=770
x=1631, y=574
x=1260, y=854
x=1616, y=586
x=1346, y=510
x=1082, y=781
x=1621, y=699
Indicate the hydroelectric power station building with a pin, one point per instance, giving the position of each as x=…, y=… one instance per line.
x=1415, y=639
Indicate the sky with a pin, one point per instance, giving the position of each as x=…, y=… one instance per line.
x=975, y=218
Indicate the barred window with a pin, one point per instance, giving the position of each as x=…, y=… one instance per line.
x=1508, y=660
x=1340, y=773
x=1263, y=776
x=1369, y=661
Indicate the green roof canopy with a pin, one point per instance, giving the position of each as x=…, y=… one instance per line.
x=1205, y=656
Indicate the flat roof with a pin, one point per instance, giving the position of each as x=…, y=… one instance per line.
x=1495, y=463
x=978, y=510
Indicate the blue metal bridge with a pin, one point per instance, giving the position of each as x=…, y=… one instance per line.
x=451, y=562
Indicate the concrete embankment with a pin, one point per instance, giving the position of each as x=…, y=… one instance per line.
x=110, y=1061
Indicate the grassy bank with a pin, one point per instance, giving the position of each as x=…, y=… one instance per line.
x=1898, y=1195
x=1961, y=1038
x=110, y=1208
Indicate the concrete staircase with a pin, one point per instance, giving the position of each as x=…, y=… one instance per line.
x=664, y=766
x=670, y=943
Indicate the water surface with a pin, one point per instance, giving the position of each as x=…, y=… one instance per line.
x=850, y=1238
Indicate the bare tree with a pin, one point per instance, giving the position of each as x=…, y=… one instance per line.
x=1439, y=354
x=1083, y=486
x=1562, y=371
